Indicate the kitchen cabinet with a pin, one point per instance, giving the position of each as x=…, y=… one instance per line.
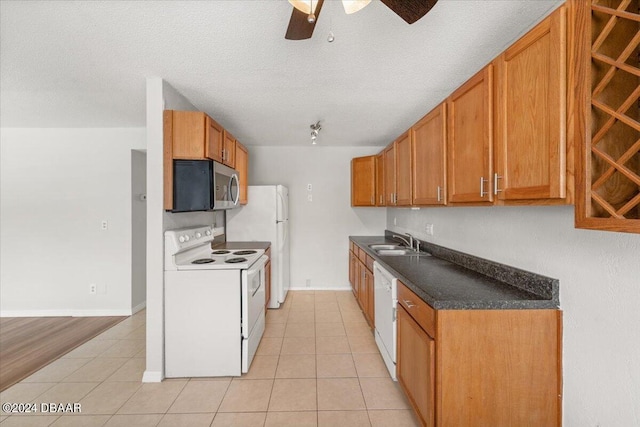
x=214, y=141
x=380, y=200
x=389, y=155
x=428, y=158
x=530, y=116
x=479, y=367
x=363, y=181
x=361, y=279
x=604, y=121
x=470, y=140
x=242, y=166
x=403, y=169
x=195, y=136
x=229, y=150
x=353, y=272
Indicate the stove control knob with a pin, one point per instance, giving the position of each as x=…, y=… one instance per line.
x=181, y=239
x=186, y=238
x=208, y=233
x=198, y=235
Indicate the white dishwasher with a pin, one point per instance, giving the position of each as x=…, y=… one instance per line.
x=386, y=301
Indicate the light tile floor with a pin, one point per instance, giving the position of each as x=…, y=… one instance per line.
x=317, y=365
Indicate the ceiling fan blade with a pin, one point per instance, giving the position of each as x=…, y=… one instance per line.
x=410, y=10
x=299, y=28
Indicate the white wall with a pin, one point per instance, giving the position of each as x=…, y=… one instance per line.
x=57, y=186
x=599, y=275
x=138, y=229
x=320, y=228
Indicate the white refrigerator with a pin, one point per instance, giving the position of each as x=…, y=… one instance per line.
x=266, y=218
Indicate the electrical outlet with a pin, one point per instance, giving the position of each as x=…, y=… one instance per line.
x=105, y=224
x=309, y=187
x=93, y=289
x=428, y=229
x=310, y=197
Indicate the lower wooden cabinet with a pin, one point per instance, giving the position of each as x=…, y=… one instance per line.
x=361, y=279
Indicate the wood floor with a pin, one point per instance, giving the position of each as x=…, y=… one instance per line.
x=29, y=343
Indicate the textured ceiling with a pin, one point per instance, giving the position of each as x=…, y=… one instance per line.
x=84, y=63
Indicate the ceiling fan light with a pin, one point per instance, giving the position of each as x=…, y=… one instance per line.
x=352, y=6
x=304, y=6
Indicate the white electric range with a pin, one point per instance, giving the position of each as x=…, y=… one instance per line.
x=214, y=305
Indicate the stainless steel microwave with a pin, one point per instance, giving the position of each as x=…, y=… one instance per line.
x=204, y=185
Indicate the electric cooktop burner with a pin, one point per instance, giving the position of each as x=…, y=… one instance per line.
x=245, y=252
x=235, y=260
x=203, y=261
x=220, y=252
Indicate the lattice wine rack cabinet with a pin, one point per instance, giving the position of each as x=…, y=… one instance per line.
x=607, y=79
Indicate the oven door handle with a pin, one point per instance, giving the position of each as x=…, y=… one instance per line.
x=257, y=288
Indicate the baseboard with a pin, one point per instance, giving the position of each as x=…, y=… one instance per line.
x=317, y=288
x=152, y=377
x=139, y=307
x=64, y=313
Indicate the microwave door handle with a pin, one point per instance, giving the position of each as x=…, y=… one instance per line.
x=234, y=177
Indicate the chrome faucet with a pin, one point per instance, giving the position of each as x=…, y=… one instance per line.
x=407, y=242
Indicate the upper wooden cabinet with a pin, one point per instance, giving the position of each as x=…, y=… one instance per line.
x=470, y=140
x=229, y=150
x=403, y=169
x=428, y=158
x=380, y=200
x=214, y=140
x=242, y=166
x=363, y=181
x=530, y=85
x=390, y=175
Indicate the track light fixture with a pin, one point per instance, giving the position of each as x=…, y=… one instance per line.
x=315, y=130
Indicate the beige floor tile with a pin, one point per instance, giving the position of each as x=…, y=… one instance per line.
x=335, y=366
x=99, y=369
x=292, y=419
x=3, y=417
x=301, y=317
x=325, y=295
x=295, y=345
x=383, y=393
x=274, y=330
x=76, y=420
x=107, y=398
x=353, y=316
x=91, y=348
x=277, y=316
x=335, y=329
x=246, y=419
x=370, y=365
x=328, y=316
x=358, y=329
x=67, y=392
x=153, y=398
x=332, y=345
x=186, y=420
x=391, y=418
x=57, y=370
x=300, y=330
x=24, y=392
x=269, y=347
x=343, y=418
x=293, y=395
x=296, y=366
x=132, y=370
x=302, y=306
x=200, y=396
x=262, y=367
x=124, y=348
x=119, y=331
x=147, y=420
x=247, y=396
x=339, y=394
x=364, y=344
x=326, y=306
x=349, y=307
x=138, y=334
x=27, y=421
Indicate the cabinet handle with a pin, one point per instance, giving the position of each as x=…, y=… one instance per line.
x=381, y=201
x=408, y=303
x=372, y=200
x=439, y=199
x=496, y=177
x=482, y=181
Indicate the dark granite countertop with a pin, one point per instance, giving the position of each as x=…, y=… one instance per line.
x=241, y=245
x=447, y=279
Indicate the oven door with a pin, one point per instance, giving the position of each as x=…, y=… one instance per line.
x=253, y=302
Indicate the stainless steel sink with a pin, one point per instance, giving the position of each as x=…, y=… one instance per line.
x=397, y=252
x=386, y=247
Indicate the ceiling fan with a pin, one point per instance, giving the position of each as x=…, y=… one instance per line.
x=306, y=12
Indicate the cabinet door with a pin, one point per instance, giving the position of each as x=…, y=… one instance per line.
x=363, y=181
x=416, y=366
x=403, y=169
x=469, y=154
x=189, y=129
x=267, y=283
x=242, y=166
x=229, y=150
x=380, y=200
x=390, y=174
x=531, y=113
x=428, y=158
x=354, y=273
x=370, y=301
x=214, y=140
